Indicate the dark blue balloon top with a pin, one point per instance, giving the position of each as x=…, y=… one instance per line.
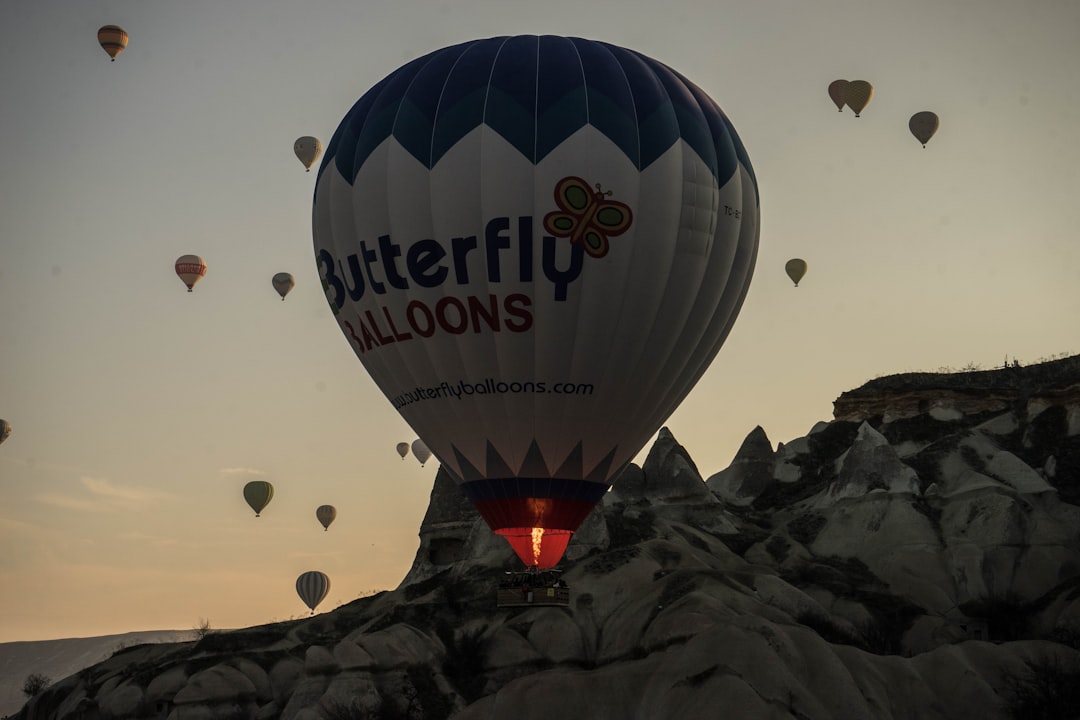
x=535, y=91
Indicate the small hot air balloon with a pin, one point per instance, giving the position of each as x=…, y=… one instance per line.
x=283, y=282
x=923, y=125
x=5, y=430
x=795, y=269
x=858, y=95
x=113, y=39
x=403, y=449
x=501, y=229
x=308, y=150
x=325, y=515
x=258, y=494
x=312, y=587
x=190, y=269
x=420, y=451
x=838, y=93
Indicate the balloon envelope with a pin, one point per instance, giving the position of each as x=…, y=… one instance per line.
x=258, y=494
x=312, y=587
x=190, y=269
x=5, y=430
x=858, y=95
x=838, y=93
x=307, y=149
x=325, y=514
x=420, y=451
x=403, y=449
x=795, y=269
x=283, y=282
x=535, y=246
x=923, y=125
x=113, y=39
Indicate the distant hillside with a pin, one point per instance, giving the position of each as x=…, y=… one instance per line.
x=58, y=659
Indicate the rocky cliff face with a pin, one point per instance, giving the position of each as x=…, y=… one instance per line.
x=919, y=556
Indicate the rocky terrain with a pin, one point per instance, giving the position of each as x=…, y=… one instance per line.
x=917, y=557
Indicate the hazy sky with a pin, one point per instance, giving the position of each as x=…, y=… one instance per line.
x=140, y=410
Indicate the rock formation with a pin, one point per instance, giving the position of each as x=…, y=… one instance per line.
x=918, y=556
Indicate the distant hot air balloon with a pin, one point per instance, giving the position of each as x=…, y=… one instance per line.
x=283, y=282
x=308, y=150
x=403, y=449
x=5, y=430
x=838, y=93
x=113, y=39
x=923, y=125
x=312, y=587
x=858, y=95
x=535, y=246
x=795, y=269
x=325, y=515
x=420, y=451
x=190, y=269
x=258, y=494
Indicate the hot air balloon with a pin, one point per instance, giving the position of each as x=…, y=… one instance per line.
x=535, y=246
x=795, y=269
x=113, y=39
x=923, y=125
x=838, y=93
x=403, y=449
x=420, y=451
x=190, y=269
x=312, y=587
x=258, y=494
x=5, y=430
x=283, y=282
x=307, y=149
x=858, y=95
x=325, y=514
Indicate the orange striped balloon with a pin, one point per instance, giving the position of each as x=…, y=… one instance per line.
x=113, y=40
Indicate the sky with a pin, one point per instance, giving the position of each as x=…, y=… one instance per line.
x=140, y=410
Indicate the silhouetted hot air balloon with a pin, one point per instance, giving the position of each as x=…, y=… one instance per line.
x=113, y=39
x=283, y=282
x=536, y=246
x=403, y=449
x=325, y=514
x=307, y=149
x=420, y=451
x=858, y=95
x=923, y=125
x=312, y=587
x=838, y=93
x=795, y=269
x=258, y=494
x=5, y=430
x=190, y=269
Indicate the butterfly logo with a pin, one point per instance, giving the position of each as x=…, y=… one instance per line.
x=586, y=216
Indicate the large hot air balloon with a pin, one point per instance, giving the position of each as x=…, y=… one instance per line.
x=923, y=125
x=838, y=93
x=795, y=269
x=536, y=246
x=420, y=451
x=858, y=95
x=403, y=449
x=190, y=269
x=312, y=587
x=325, y=514
x=5, y=430
x=113, y=39
x=283, y=282
x=307, y=149
x=258, y=494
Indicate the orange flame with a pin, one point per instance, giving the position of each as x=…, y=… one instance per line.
x=537, y=539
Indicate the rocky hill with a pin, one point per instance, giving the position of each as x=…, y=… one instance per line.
x=917, y=557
